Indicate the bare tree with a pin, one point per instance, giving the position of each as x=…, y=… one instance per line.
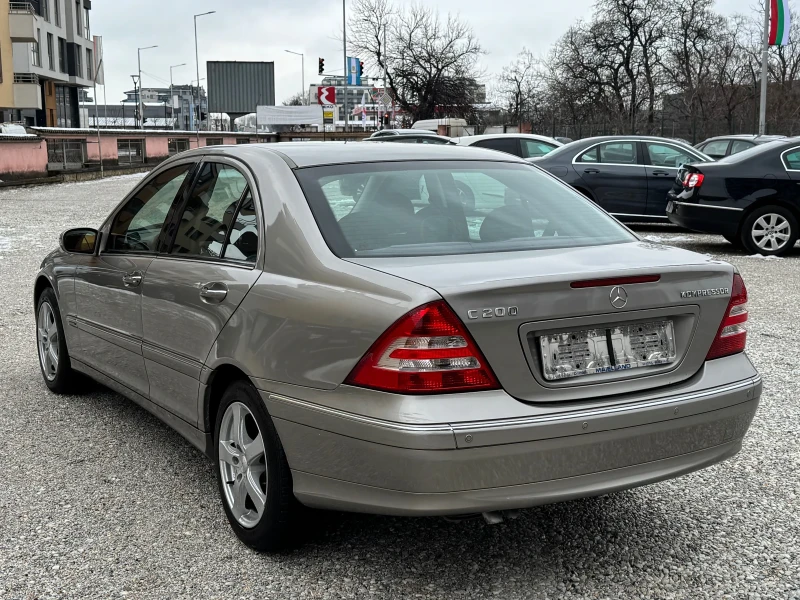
x=294, y=100
x=430, y=61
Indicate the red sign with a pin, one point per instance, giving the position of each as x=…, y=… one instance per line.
x=326, y=95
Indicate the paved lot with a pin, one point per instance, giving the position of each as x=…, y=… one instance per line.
x=100, y=500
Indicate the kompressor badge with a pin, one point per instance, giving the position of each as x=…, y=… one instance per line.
x=701, y=293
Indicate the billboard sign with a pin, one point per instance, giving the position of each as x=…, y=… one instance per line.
x=326, y=95
x=237, y=88
x=327, y=114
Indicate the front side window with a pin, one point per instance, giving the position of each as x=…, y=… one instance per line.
x=137, y=226
x=459, y=207
x=792, y=160
x=740, y=146
x=664, y=155
x=243, y=235
x=535, y=148
x=210, y=212
x=507, y=145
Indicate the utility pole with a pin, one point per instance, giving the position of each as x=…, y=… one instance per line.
x=346, y=66
x=135, y=95
x=197, y=62
x=762, y=121
x=140, y=104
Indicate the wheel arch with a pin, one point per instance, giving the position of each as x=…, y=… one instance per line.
x=42, y=283
x=795, y=210
x=218, y=381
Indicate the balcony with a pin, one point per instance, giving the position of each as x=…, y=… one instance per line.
x=27, y=93
x=22, y=22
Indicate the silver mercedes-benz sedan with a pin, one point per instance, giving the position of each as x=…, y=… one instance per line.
x=395, y=329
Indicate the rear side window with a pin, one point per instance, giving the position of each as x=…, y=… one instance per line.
x=210, y=212
x=792, y=159
x=716, y=149
x=666, y=155
x=439, y=208
x=507, y=145
x=613, y=153
x=534, y=148
x=740, y=146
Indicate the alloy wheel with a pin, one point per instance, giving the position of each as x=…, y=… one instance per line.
x=771, y=232
x=243, y=465
x=48, y=341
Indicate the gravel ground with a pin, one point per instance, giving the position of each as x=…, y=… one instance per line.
x=100, y=500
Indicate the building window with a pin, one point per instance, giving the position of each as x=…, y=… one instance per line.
x=130, y=151
x=36, y=57
x=51, y=58
x=78, y=27
x=214, y=141
x=62, y=55
x=78, y=61
x=89, y=65
x=57, y=11
x=63, y=107
x=177, y=145
x=44, y=6
x=86, y=32
x=242, y=140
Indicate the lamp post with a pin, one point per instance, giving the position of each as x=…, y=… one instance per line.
x=302, y=73
x=139, y=103
x=171, y=97
x=136, y=80
x=346, y=66
x=197, y=62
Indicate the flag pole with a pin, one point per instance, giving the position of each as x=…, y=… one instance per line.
x=97, y=123
x=762, y=121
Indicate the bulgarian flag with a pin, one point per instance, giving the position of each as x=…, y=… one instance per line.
x=779, y=23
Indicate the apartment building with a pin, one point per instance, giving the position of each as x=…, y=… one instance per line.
x=52, y=58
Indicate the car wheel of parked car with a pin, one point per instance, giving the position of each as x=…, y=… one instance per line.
x=253, y=475
x=52, y=345
x=770, y=231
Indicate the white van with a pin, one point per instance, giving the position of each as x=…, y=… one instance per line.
x=455, y=127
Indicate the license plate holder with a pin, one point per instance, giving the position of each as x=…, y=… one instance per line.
x=609, y=349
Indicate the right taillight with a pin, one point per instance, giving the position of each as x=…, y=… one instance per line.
x=693, y=180
x=732, y=335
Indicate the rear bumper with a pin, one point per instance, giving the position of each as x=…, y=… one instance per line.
x=348, y=462
x=706, y=219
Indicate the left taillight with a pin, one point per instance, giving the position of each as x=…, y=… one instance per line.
x=427, y=351
x=732, y=334
x=693, y=180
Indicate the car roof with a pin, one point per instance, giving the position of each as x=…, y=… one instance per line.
x=490, y=136
x=393, y=138
x=745, y=136
x=403, y=132
x=310, y=154
x=644, y=138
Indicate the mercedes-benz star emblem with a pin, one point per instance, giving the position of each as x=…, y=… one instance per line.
x=618, y=297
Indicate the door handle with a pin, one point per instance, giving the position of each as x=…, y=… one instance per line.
x=591, y=171
x=132, y=279
x=214, y=292
x=661, y=173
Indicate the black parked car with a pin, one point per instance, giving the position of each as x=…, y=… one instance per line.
x=725, y=145
x=751, y=198
x=629, y=176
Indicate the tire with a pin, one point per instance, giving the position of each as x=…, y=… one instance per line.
x=763, y=231
x=51, y=346
x=264, y=478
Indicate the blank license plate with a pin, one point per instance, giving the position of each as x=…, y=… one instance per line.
x=607, y=349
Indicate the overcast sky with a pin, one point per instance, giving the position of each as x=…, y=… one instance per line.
x=260, y=30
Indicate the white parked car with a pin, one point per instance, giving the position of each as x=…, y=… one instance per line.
x=526, y=145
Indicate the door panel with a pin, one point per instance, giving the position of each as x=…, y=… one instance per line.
x=612, y=173
x=109, y=318
x=180, y=325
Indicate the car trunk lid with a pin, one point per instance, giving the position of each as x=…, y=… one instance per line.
x=508, y=301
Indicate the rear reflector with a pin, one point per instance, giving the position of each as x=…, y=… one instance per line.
x=732, y=335
x=693, y=180
x=427, y=351
x=589, y=283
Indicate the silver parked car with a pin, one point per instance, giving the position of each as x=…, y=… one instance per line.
x=396, y=330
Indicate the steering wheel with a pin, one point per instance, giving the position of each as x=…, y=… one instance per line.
x=465, y=195
x=133, y=242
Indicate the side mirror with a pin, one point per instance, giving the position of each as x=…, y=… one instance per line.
x=79, y=241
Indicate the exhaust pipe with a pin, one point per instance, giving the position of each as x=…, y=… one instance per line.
x=498, y=516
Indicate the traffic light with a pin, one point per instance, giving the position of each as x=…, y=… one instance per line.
x=386, y=120
x=361, y=68
x=321, y=66
x=203, y=116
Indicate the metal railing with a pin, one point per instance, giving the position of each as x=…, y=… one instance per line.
x=65, y=154
x=26, y=78
x=21, y=8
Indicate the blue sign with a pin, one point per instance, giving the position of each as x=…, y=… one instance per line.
x=353, y=68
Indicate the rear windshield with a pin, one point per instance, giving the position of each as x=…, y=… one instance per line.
x=450, y=207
